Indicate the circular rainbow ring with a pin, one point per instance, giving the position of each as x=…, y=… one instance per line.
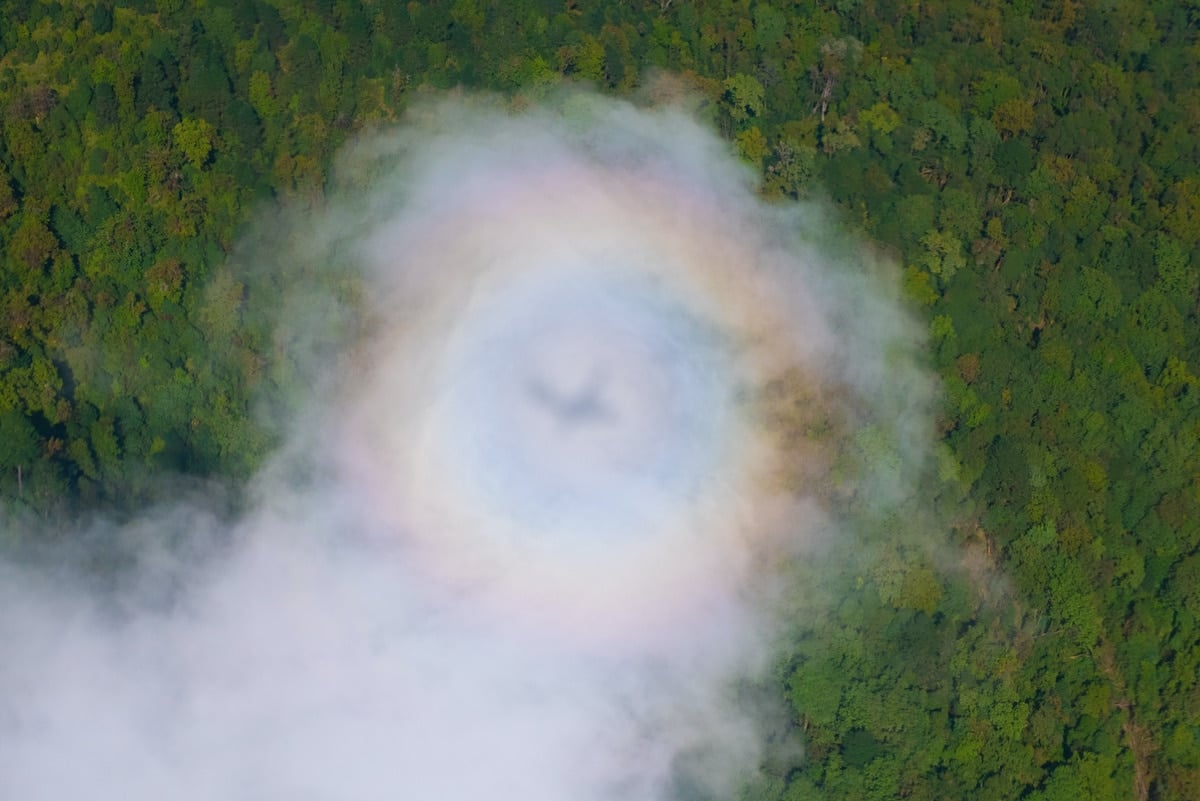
x=575, y=318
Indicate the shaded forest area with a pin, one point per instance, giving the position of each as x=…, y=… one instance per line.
x=1034, y=165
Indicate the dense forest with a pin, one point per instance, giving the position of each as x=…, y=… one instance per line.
x=1034, y=166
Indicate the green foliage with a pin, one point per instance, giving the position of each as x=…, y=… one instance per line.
x=743, y=97
x=1034, y=166
x=194, y=137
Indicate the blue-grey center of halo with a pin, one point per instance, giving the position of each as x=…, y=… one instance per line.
x=586, y=403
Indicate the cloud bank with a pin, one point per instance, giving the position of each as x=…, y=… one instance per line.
x=532, y=528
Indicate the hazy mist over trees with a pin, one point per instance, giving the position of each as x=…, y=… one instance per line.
x=1034, y=167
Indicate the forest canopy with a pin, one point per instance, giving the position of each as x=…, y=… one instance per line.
x=1033, y=166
